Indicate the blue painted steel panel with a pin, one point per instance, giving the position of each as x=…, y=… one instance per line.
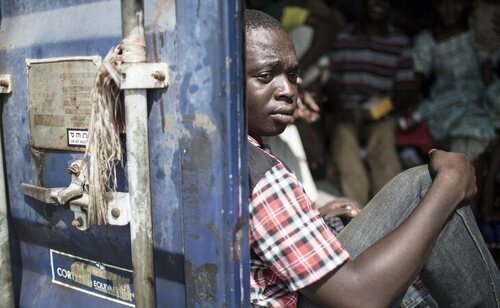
x=197, y=151
x=210, y=175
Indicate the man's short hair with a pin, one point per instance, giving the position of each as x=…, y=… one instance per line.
x=255, y=19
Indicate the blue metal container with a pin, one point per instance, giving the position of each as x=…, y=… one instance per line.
x=197, y=144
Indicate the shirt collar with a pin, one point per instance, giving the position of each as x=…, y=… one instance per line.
x=254, y=141
x=259, y=143
x=382, y=30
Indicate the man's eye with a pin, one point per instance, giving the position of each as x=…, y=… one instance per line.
x=292, y=77
x=265, y=77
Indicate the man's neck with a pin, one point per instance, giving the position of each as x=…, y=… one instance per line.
x=442, y=33
x=257, y=138
x=373, y=28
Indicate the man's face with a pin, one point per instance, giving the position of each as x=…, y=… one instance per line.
x=271, y=81
x=451, y=12
x=377, y=10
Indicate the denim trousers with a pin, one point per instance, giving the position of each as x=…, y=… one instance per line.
x=460, y=271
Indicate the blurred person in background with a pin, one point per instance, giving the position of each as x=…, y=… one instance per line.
x=454, y=60
x=371, y=75
x=486, y=21
x=454, y=109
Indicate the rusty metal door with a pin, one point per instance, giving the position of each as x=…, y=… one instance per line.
x=197, y=153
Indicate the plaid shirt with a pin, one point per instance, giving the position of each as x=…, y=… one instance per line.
x=291, y=246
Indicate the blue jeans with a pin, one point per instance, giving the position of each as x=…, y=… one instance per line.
x=460, y=271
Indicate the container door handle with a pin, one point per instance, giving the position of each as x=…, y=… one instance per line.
x=76, y=196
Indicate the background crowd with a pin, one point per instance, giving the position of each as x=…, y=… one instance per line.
x=382, y=83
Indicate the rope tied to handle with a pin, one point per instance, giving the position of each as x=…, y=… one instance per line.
x=104, y=148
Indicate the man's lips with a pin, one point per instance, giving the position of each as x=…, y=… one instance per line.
x=283, y=115
x=286, y=110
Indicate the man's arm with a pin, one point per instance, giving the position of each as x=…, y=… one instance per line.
x=383, y=271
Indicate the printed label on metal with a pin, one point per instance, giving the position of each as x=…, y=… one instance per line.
x=59, y=96
x=77, y=137
x=91, y=277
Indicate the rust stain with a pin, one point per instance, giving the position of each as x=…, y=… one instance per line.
x=38, y=157
x=202, y=121
x=236, y=247
x=213, y=229
x=169, y=125
x=162, y=7
x=202, y=136
x=201, y=283
x=120, y=287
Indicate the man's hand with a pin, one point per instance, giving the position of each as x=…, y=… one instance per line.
x=340, y=207
x=308, y=109
x=382, y=272
x=454, y=171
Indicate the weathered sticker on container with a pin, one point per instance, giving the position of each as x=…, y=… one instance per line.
x=77, y=137
x=59, y=98
x=91, y=277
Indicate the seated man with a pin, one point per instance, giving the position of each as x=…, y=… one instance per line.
x=418, y=224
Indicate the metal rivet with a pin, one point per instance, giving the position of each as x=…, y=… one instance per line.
x=77, y=222
x=115, y=212
x=158, y=75
x=74, y=169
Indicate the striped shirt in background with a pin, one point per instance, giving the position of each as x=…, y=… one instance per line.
x=366, y=66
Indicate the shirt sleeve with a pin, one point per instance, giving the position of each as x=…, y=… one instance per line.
x=294, y=16
x=405, y=74
x=336, y=57
x=288, y=233
x=422, y=54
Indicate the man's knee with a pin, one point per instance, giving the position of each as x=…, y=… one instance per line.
x=417, y=177
x=418, y=171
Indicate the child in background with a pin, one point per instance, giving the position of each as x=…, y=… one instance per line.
x=486, y=19
x=454, y=111
x=487, y=42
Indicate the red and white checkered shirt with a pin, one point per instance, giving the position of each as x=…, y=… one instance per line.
x=291, y=246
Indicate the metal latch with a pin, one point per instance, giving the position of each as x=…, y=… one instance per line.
x=77, y=197
x=144, y=76
x=5, y=83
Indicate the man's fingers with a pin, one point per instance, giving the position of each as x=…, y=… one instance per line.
x=457, y=170
x=338, y=212
x=432, y=151
x=340, y=208
x=335, y=204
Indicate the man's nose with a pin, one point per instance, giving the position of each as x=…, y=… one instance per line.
x=449, y=7
x=285, y=89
